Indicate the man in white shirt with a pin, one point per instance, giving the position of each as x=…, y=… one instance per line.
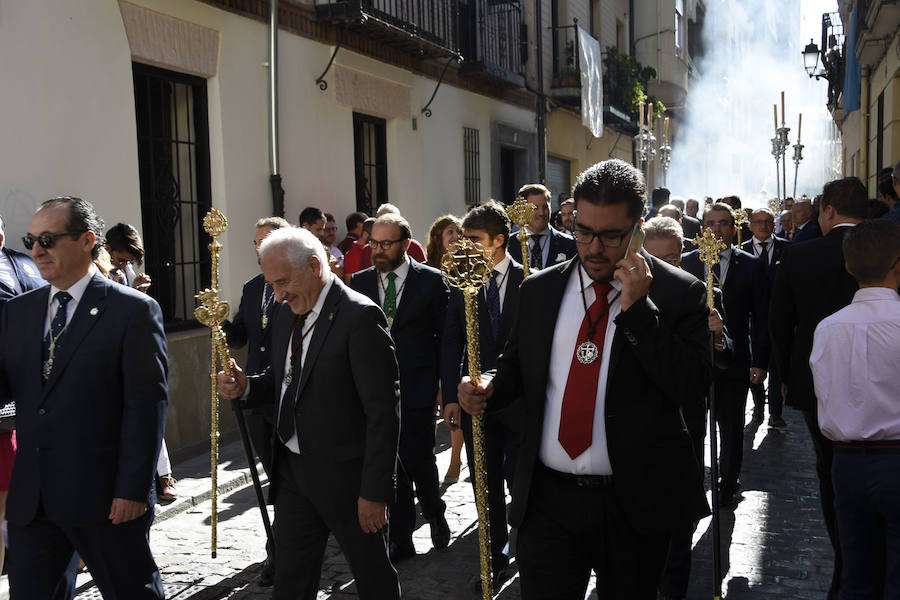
x=854, y=365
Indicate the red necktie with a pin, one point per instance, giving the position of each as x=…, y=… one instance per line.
x=576, y=421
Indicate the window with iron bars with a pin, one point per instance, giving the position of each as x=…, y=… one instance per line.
x=472, y=174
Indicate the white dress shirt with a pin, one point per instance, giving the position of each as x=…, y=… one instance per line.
x=76, y=290
x=770, y=248
x=854, y=361
x=545, y=245
x=724, y=262
x=8, y=274
x=309, y=326
x=402, y=271
x=502, y=269
x=594, y=460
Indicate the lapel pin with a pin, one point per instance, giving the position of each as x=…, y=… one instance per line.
x=94, y=311
x=330, y=316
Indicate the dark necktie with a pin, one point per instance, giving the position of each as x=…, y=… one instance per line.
x=537, y=255
x=576, y=423
x=493, y=304
x=390, y=298
x=57, y=325
x=717, y=273
x=287, y=423
x=764, y=253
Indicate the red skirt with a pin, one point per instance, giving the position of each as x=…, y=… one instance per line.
x=7, y=458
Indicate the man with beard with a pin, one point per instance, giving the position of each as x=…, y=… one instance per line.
x=605, y=469
x=546, y=245
x=414, y=298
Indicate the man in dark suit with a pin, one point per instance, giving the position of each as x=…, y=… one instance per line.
x=810, y=285
x=498, y=304
x=605, y=469
x=745, y=298
x=252, y=325
x=806, y=226
x=91, y=398
x=768, y=249
x=335, y=384
x=414, y=297
x=546, y=245
x=18, y=274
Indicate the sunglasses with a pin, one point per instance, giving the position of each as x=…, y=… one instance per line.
x=46, y=240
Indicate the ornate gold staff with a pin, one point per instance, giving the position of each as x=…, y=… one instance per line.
x=710, y=247
x=212, y=312
x=468, y=266
x=740, y=217
x=520, y=212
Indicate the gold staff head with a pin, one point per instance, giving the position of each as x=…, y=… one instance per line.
x=740, y=217
x=775, y=206
x=521, y=212
x=215, y=223
x=710, y=247
x=467, y=265
x=212, y=311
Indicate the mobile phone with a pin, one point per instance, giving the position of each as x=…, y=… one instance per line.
x=637, y=239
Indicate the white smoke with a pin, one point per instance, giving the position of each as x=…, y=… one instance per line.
x=753, y=52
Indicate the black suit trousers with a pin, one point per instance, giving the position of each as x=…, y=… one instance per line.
x=570, y=530
x=118, y=557
x=302, y=524
x=502, y=437
x=731, y=402
x=776, y=401
x=417, y=475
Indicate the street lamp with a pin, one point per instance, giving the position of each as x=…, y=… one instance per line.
x=811, y=60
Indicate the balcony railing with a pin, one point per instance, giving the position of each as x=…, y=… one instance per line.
x=428, y=27
x=832, y=53
x=566, y=83
x=492, y=39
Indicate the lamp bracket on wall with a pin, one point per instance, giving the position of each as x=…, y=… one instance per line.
x=320, y=80
x=426, y=110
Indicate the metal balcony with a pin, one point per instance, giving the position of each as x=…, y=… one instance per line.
x=492, y=36
x=426, y=28
x=876, y=23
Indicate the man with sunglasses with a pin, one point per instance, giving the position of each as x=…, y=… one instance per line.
x=414, y=299
x=745, y=291
x=18, y=274
x=605, y=469
x=85, y=359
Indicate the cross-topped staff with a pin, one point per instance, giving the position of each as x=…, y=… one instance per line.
x=468, y=266
x=710, y=247
x=740, y=217
x=520, y=212
x=212, y=312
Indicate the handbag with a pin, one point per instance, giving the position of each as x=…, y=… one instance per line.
x=8, y=416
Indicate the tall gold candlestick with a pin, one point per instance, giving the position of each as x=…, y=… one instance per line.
x=520, y=212
x=782, y=106
x=468, y=266
x=649, y=116
x=775, y=111
x=740, y=217
x=666, y=130
x=799, y=127
x=212, y=312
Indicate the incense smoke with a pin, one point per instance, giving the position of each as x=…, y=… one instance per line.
x=753, y=52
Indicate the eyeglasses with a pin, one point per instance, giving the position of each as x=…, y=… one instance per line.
x=672, y=260
x=384, y=244
x=608, y=239
x=330, y=229
x=722, y=223
x=770, y=222
x=46, y=240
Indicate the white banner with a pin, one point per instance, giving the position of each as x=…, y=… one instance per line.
x=591, y=63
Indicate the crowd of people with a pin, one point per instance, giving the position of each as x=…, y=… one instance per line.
x=597, y=371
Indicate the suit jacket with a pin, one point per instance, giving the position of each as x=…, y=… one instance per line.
x=691, y=227
x=659, y=356
x=809, y=231
x=810, y=285
x=745, y=299
x=347, y=417
x=96, y=425
x=454, y=353
x=246, y=328
x=777, y=254
x=416, y=330
x=26, y=273
x=562, y=247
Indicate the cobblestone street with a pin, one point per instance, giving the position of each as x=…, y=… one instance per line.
x=774, y=543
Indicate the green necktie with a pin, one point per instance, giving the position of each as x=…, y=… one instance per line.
x=390, y=297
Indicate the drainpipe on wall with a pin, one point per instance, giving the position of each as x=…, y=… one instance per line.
x=275, y=177
x=541, y=114
x=864, y=127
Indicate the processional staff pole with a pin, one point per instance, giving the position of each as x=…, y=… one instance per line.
x=776, y=152
x=468, y=266
x=520, y=212
x=710, y=247
x=798, y=154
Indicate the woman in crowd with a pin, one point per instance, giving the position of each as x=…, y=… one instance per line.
x=445, y=232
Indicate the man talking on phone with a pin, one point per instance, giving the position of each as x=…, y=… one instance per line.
x=606, y=467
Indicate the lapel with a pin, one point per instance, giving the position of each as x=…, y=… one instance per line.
x=733, y=262
x=323, y=326
x=282, y=321
x=88, y=312
x=543, y=335
x=33, y=344
x=368, y=284
x=515, y=274
x=409, y=296
x=615, y=352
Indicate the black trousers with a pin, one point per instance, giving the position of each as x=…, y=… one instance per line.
x=303, y=521
x=731, y=402
x=570, y=530
x=118, y=557
x=260, y=429
x=677, y=572
x=502, y=437
x=776, y=401
x=417, y=475
x=824, y=449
